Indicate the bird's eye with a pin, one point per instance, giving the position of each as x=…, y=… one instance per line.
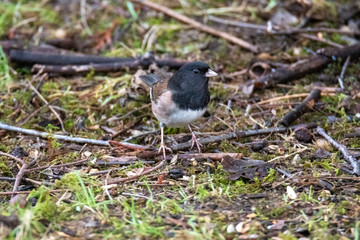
x=196, y=71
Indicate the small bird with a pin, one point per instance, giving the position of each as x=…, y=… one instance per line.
x=181, y=99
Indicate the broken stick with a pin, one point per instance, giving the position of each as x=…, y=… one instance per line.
x=302, y=68
x=64, y=138
x=202, y=27
x=249, y=133
x=306, y=106
x=347, y=156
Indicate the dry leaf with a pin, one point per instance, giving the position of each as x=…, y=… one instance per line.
x=324, y=145
x=242, y=227
x=137, y=171
x=248, y=169
x=251, y=215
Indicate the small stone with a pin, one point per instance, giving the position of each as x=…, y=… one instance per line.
x=291, y=193
x=230, y=228
x=87, y=154
x=324, y=145
x=34, y=153
x=19, y=152
x=258, y=146
x=303, y=135
x=296, y=160
x=176, y=173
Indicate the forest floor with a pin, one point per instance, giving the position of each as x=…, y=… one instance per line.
x=280, y=135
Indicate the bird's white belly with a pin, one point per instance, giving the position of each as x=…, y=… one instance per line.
x=181, y=117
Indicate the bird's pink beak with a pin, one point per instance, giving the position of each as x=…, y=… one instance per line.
x=210, y=73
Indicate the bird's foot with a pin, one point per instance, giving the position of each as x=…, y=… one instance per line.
x=163, y=149
x=195, y=141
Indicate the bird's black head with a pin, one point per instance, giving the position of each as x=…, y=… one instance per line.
x=191, y=77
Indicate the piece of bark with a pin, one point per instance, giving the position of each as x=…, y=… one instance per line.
x=306, y=106
x=30, y=57
x=136, y=63
x=303, y=135
x=302, y=68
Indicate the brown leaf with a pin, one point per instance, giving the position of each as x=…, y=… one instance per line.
x=279, y=224
x=21, y=199
x=137, y=171
x=248, y=169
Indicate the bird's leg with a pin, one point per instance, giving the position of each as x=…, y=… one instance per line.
x=194, y=140
x=163, y=148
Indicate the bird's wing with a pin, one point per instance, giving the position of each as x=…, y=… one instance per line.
x=149, y=79
x=157, y=83
x=157, y=90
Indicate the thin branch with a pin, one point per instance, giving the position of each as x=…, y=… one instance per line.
x=32, y=114
x=64, y=138
x=341, y=77
x=326, y=41
x=131, y=178
x=199, y=26
x=13, y=157
x=27, y=192
x=298, y=95
x=46, y=102
x=347, y=156
x=19, y=176
x=306, y=106
x=249, y=133
x=58, y=166
x=290, y=31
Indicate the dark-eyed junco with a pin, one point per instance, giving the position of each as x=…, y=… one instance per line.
x=181, y=99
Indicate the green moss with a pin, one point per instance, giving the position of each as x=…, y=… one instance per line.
x=5, y=77
x=343, y=207
x=49, y=87
x=21, y=96
x=271, y=177
x=45, y=205
x=271, y=212
x=226, y=146
x=287, y=236
x=11, y=14
x=4, y=167
x=218, y=91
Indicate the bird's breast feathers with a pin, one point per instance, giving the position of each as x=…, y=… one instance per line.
x=167, y=112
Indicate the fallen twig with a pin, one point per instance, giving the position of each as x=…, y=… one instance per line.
x=127, y=145
x=62, y=137
x=302, y=68
x=13, y=157
x=121, y=180
x=289, y=31
x=50, y=107
x=347, y=156
x=31, y=57
x=352, y=135
x=249, y=133
x=57, y=166
x=54, y=62
x=199, y=26
x=341, y=77
x=306, y=106
x=323, y=40
x=123, y=161
x=31, y=115
x=298, y=95
x=19, y=176
x=28, y=192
